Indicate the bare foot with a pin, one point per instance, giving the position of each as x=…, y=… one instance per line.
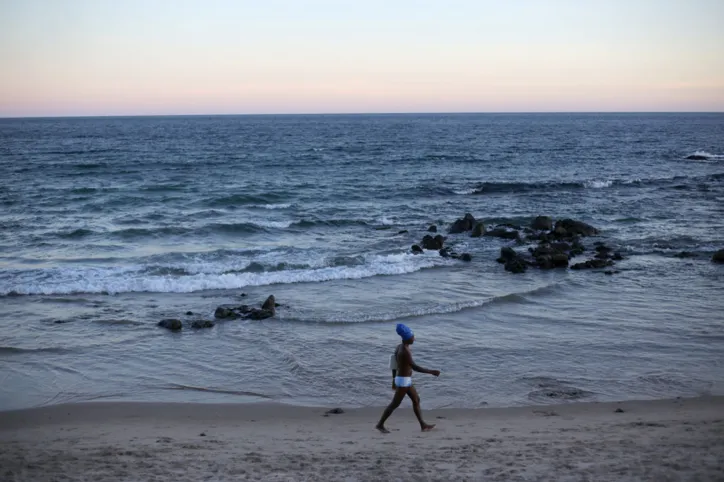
x=428, y=427
x=382, y=428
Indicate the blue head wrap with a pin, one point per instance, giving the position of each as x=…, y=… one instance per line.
x=404, y=332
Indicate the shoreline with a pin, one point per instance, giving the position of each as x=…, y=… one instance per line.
x=667, y=439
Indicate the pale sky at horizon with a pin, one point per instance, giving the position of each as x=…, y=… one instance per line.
x=134, y=57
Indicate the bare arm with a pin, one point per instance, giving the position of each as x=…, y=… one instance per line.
x=417, y=367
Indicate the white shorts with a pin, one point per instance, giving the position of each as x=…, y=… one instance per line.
x=403, y=382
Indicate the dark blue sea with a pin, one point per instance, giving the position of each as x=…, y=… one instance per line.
x=108, y=225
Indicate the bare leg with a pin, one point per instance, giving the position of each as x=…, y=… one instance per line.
x=396, y=401
x=412, y=393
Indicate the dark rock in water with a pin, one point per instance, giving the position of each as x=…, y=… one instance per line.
x=573, y=228
x=269, y=305
x=685, y=254
x=334, y=411
x=718, y=257
x=561, y=247
x=462, y=225
x=544, y=261
x=602, y=255
x=542, y=223
x=559, y=260
x=243, y=309
x=171, y=324
x=243, y=295
x=610, y=272
x=225, y=312
x=466, y=257
x=445, y=252
x=601, y=248
x=560, y=232
x=257, y=314
x=432, y=228
x=382, y=228
x=189, y=313
x=543, y=249
x=618, y=410
x=416, y=249
x=576, y=248
x=198, y=324
x=516, y=265
x=510, y=226
x=404, y=231
x=697, y=157
x=478, y=230
x=499, y=232
x=593, y=264
x=617, y=256
x=506, y=254
x=428, y=242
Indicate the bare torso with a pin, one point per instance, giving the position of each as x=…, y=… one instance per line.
x=404, y=360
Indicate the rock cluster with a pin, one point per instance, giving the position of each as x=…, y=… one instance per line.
x=437, y=242
x=557, y=243
x=225, y=312
x=267, y=310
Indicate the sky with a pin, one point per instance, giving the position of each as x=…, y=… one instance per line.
x=165, y=57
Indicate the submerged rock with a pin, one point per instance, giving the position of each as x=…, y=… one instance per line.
x=225, y=312
x=461, y=225
x=593, y=264
x=501, y=232
x=559, y=260
x=478, y=230
x=571, y=227
x=416, y=249
x=718, y=257
x=466, y=257
x=171, y=324
x=199, y=324
x=516, y=265
x=685, y=254
x=432, y=228
x=257, y=314
x=697, y=157
x=542, y=223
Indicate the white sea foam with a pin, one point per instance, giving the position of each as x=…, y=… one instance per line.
x=272, y=224
x=271, y=206
x=134, y=279
x=709, y=155
x=464, y=191
x=595, y=184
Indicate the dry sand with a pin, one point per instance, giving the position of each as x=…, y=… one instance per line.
x=664, y=440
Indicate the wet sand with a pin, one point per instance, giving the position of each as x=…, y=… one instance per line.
x=660, y=440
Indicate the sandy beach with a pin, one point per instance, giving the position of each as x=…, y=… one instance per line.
x=662, y=440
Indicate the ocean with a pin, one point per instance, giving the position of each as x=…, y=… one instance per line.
x=109, y=225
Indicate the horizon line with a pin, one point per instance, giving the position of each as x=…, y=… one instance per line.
x=300, y=114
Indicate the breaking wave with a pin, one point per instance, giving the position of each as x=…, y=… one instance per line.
x=138, y=279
